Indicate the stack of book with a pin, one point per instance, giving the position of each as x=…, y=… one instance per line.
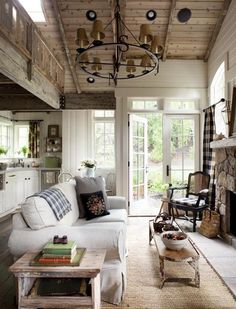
x=58, y=253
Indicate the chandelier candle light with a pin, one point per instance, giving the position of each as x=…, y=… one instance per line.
x=128, y=60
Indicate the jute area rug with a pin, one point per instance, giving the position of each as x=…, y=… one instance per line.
x=143, y=279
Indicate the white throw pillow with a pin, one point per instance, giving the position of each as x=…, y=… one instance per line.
x=37, y=213
x=68, y=188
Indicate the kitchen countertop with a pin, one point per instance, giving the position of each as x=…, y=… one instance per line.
x=16, y=169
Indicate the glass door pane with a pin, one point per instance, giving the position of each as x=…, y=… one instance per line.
x=182, y=147
x=138, y=158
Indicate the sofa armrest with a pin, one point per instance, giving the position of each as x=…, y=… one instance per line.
x=117, y=202
x=18, y=221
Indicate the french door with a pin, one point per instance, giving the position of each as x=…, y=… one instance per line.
x=137, y=158
x=181, y=147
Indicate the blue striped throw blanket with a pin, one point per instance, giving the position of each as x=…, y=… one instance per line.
x=57, y=201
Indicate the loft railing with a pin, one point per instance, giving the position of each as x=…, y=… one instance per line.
x=17, y=27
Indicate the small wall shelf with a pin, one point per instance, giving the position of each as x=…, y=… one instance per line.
x=53, y=144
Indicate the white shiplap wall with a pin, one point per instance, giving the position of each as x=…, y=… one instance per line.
x=172, y=74
x=74, y=140
x=225, y=49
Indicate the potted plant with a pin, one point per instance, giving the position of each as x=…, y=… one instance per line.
x=90, y=166
x=3, y=150
x=24, y=150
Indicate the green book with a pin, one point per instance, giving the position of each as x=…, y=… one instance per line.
x=76, y=260
x=64, y=249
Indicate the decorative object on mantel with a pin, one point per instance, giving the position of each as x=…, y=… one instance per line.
x=218, y=137
x=146, y=49
x=89, y=167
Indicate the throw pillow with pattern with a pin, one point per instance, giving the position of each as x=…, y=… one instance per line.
x=94, y=204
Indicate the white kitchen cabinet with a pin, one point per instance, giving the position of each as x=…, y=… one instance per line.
x=18, y=185
x=27, y=184
x=1, y=201
x=9, y=198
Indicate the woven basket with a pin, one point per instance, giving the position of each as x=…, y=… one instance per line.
x=210, y=224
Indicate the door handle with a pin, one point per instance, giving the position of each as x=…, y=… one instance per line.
x=167, y=170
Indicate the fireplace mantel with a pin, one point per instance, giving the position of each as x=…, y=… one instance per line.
x=224, y=143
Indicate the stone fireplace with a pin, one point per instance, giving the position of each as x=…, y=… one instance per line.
x=225, y=169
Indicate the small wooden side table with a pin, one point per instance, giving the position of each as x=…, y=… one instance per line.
x=90, y=267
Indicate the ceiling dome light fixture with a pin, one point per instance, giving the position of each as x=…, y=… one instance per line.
x=184, y=15
x=90, y=80
x=151, y=15
x=91, y=15
x=113, y=60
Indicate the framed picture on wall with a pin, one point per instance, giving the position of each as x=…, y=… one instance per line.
x=53, y=131
x=232, y=126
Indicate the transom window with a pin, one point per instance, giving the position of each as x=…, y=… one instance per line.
x=180, y=105
x=164, y=105
x=144, y=104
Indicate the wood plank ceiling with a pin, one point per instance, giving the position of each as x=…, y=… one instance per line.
x=191, y=40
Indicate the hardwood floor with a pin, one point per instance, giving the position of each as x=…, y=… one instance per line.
x=7, y=282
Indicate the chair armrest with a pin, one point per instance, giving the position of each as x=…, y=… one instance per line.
x=117, y=202
x=172, y=189
x=203, y=193
x=178, y=188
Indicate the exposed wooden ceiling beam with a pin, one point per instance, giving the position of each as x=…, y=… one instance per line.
x=217, y=28
x=168, y=32
x=12, y=89
x=22, y=103
x=90, y=100
x=5, y=80
x=64, y=41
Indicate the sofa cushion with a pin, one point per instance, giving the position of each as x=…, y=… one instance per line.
x=94, y=204
x=116, y=215
x=89, y=185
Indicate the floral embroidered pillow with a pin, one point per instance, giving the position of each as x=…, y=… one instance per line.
x=94, y=204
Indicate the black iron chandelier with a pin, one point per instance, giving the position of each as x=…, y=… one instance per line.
x=128, y=60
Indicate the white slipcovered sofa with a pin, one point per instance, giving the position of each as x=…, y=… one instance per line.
x=36, y=224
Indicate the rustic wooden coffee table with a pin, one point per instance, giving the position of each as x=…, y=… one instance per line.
x=187, y=254
x=90, y=267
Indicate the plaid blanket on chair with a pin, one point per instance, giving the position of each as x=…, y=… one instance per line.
x=57, y=201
